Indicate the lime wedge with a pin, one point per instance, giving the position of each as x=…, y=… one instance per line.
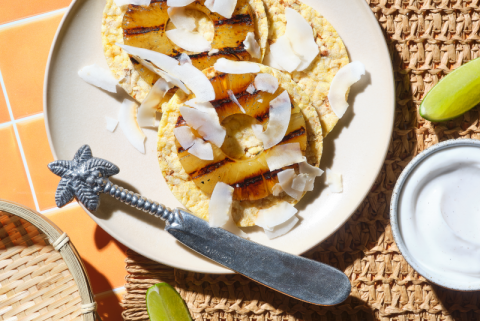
x=165, y=304
x=455, y=94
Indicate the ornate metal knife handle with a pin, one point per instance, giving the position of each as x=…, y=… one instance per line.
x=85, y=177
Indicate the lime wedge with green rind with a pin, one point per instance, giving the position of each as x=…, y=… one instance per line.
x=165, y=304
x=455, y=94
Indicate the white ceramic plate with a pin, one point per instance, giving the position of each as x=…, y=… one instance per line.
x=75, y=115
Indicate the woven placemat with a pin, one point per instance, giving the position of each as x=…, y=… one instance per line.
x=426, y=39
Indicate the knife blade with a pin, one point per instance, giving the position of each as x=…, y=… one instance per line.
x=86, y=177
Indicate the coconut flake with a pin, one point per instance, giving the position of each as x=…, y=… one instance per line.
x=334, y=180
x=232, y=97
x=134, y=2
x=222, y=7
x=269, y=61
x=213, y=51
x=284, y=155
x=184, y=59
x=148, y=109
x=284, y=55
x=285, y=179
x=300, y=34
x=299, y=182
x=187, y=40
x=179, y=3
x=187, y=74
x=235, y=67
x=266, y=82
x=277, y=189
x=111, y=123
x=127, y=118
x=99, y=77
x=306, y=168
x=260, y=100
x=251, y=89
x=204, y=106
x=279, y=118
x=201, y=149
x=252, y=46
x=180, y=19
x=185, y=136
x=220, y=205
x=205, y=124
x=345, y=77
x=275, y=215
x=282, y=229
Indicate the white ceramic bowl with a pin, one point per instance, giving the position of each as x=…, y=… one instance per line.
x=409, y=179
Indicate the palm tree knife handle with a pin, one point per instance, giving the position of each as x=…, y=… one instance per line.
x=86, y=177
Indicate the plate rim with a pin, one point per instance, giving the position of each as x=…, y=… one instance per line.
x=385, y=52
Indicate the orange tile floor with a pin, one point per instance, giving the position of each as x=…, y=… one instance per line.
x=27, y=29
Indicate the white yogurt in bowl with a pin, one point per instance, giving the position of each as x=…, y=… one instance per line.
x=435, y=214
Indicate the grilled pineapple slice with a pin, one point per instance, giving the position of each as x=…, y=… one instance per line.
x=145, y=27
x=248, y=174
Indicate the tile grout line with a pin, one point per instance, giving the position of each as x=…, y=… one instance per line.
x=15, y=121
x=50, y=210
x=19, y=142
x=32, y=18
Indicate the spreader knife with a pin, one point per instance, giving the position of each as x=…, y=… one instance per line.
x=85, y=177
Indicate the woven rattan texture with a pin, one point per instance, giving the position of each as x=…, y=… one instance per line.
x=35, y=281
x=427, y=39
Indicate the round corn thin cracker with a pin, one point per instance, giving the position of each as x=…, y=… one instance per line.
x=316, y=79
x=243, y=212
x=119, y=61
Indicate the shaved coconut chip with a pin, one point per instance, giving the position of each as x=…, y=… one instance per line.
x=260, y=100
x=222, y=7
x=206, y=125
x=220, y=205
x=309, y=184
x=111, y=123
x=99, y=77
x=285, y=179
x=172, y=80
x=345, y=77
x=284, y=55
x=213, y=51
x=234, y=229
x=284, y=155
x=252, y=46
x=135, y=2
x=184, y=59
x=306, y=168
x=275, y=215
x=201, y=149
x=251, y=89
x=266, y=82
x=299, y=182
x=235, y=67
x=282, y=229
x=179, y=3
x=269, y=61
x=204, y=106
x=232, y=97
x=147, y=110
x=279, y=118
x=180, y=19
x=186, y=73
x=277, y=189
x=300, y=34
x=334, y=180
x=185, y=136
x=127, y=118
x=191, y=41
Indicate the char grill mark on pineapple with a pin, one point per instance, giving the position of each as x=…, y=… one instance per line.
x=209, y=169
x=141, y=30
x=244, y=19
x=294, y=134
x=180, y=122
